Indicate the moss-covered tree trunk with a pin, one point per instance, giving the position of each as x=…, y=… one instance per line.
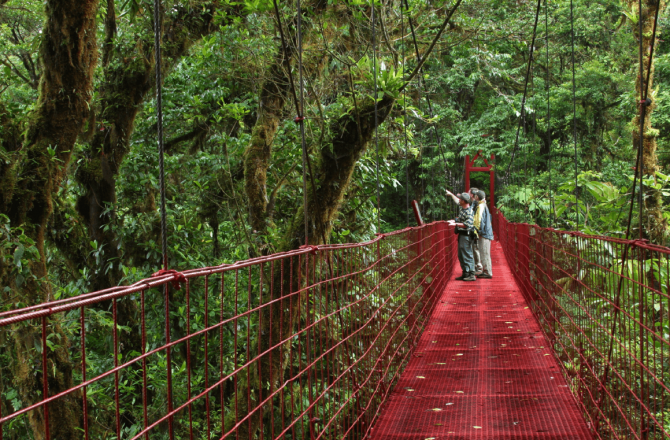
x=337, y=161
x=11, y=142
x=274, y=96
x=258, y=153
x=336, y=164
x=655, y=226
x=129, y=77
x=69, y=56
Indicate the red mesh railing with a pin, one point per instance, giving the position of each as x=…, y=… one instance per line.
x=304, y=344
x=604, y=305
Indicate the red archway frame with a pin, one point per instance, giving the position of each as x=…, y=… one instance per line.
x=470, y=166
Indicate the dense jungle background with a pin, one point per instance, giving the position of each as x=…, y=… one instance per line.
x=78, y=144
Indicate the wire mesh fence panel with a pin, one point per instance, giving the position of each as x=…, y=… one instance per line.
x=604, y=304
x=304, y=344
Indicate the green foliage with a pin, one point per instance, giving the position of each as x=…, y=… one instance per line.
x=17, y=252
x=474, y=81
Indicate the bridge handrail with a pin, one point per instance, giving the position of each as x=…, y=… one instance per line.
x=304, y=325
x=85, y=299
x=604, y=305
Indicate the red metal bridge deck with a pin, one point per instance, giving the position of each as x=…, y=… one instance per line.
x=482, y=370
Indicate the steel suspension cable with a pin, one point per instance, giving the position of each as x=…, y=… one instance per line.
x=428, y=101
x=159, y=125
x=161, y=181
x=644, y=102
x=574, y=110
x=525, y=87
x=374, y=67
x=299, y=108
x=301, y=117
x=404, y=123
x=408, y=78
x=548, y=140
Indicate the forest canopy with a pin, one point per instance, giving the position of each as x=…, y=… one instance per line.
x=79, y=168
x=79, y=193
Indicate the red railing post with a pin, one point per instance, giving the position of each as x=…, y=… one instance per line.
x=642, y=305
x=467, y=173
x=492, y=184
x=45, y=379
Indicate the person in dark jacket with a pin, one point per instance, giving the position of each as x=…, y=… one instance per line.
x=466, y=232
x=474, y=239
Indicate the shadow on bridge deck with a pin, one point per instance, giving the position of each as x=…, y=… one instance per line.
x=482, y=370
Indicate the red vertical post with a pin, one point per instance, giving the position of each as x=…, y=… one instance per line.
x=417, y=213
x=444, y=248
x=467, y=173
x=45, y=379
x=492, y=184
x=523, y=250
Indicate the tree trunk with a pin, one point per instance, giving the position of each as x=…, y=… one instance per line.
x=654, y=226
x=126, y=85
x=11, y=142
x=351, y=134
x=273, y=98
x=69, y=56
x=257, y=155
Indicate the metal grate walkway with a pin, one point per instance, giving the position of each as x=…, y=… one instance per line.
x=482, y=370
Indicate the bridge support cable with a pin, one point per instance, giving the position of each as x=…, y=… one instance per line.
x=300, y=111
x=161, y=179
x=552, y=215
x=644, y=90
x=644, y=102
x=159, y=127
x=574, y=111
x=407, y=79
x=522, y=115
x=301, y=118
x=422, y=83
x=404, y=117
x=640, y=167
x=374, y=69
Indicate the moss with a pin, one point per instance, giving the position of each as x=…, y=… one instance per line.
x=90, y=170
x=652, y=133
x=273, y=98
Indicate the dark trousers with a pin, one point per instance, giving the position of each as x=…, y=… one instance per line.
x=465, y=255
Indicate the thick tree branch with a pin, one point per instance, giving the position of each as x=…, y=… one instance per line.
x=425, y=56
x=273, y=98
x=125, y=86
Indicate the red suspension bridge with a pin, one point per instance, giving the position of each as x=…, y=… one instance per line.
x=569, y=340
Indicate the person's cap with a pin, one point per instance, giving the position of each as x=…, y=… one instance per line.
x=465, y=197
x=481, y=195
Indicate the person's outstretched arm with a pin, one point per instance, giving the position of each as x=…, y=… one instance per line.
x=453, y=197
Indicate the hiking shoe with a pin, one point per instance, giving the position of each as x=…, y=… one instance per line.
x=470, y=277
x=484, y=275
x=479, y=272
x=461, y=277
